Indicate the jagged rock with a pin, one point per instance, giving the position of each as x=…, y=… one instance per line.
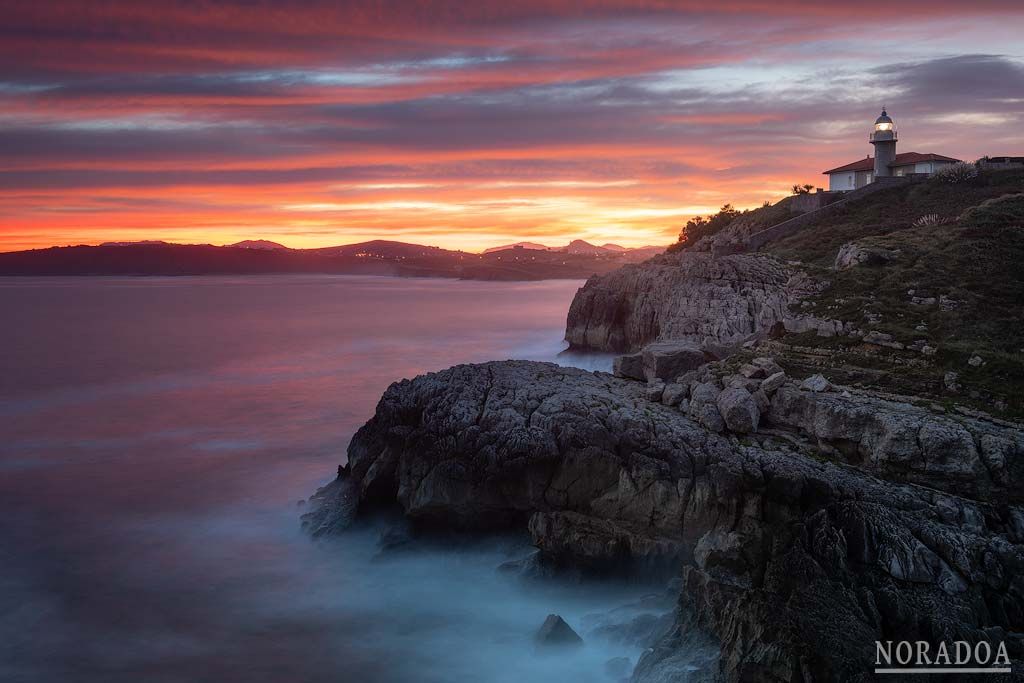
x=808, y=323
x=975, y=361
x=769, y=365
x=773, y=382
x=655, y=389
x=881, y=339
x=815, y=383
x=594, y=544
x=630, y=366
x=669, y=359
x=739, y=410
x=742, y=382
x=674, y=393
x=798, y=565
x=949, y=380
x=762, y=401
x=554, y=632
x=333, y=507
x=853, y=254
x=905, y=442
x=684, y=296
x=704, y=406
x=752, y=371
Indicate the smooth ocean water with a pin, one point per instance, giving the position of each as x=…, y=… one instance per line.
x=155, y=437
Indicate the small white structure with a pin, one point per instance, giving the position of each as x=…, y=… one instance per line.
x=886, y=161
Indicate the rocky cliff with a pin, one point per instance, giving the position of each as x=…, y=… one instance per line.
x=684, y=296
x=807, y=519
x=795, y=565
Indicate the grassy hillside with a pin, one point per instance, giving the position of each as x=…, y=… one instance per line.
x=890, y=211
x=955, y=284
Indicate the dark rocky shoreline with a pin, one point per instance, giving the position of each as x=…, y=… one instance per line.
x=805, y=521
x=794, y=566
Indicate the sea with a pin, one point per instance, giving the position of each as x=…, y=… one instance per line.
x=159, y=438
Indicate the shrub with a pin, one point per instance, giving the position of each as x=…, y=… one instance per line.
x=700, y=226
x=1006, y=211
x=955, y=174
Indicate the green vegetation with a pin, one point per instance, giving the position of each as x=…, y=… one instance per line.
x=699, y=226
x=954, y=282
x=892, y=210
x=759, y=218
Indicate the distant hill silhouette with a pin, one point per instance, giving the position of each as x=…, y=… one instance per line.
x=377, y=257
x=583, y=247
x=257, y=244
x=523, y=245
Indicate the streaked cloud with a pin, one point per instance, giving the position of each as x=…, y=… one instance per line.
x=470, y=124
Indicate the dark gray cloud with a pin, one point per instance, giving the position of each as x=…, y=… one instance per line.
x=969, y=81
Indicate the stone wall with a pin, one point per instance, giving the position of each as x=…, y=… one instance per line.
x=797, y=223
x=812, y=201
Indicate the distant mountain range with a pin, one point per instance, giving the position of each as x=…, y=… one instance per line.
x=581, y=247
x=578, y=259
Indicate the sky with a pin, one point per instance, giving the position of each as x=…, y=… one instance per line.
x=471, y=124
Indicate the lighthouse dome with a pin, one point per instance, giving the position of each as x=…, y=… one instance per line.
x=885, y=128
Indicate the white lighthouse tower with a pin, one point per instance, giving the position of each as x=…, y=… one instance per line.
x=884, y=140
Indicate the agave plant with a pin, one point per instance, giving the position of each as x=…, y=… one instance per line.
x=927, y=220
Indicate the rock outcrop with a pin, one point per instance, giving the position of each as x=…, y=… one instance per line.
x=908, y=443
x=739, y=410
x=662, y=360
x=686, y=296
x=794, y=566
x=854, y=254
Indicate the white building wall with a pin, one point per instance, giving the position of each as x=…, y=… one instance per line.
x=844, y=180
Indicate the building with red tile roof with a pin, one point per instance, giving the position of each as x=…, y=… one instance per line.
x=885, y=162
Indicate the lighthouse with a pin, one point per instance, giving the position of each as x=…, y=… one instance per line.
x=884, y=140
x=886, y=162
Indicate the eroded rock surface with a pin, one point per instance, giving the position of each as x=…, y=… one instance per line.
x=910, y=443
x=794, y=566
x=685, y=296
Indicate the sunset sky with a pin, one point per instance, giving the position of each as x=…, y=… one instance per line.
x=471, y=124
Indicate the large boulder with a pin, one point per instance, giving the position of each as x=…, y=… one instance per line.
x=739, y=410
x=704, y=406
x=629, y=366
x=853, y=254
x=668, y=359
x=554, y=632
x=773, y=382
